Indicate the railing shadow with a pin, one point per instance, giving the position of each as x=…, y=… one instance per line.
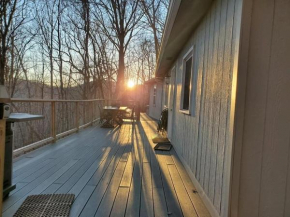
x=151, y=183
x=151, y=123
x=150, y=175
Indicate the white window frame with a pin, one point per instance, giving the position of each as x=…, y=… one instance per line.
x=166, y=91
x=154, y=94
x=185, y=58
x=172, y=89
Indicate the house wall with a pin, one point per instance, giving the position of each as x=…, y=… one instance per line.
x=203, y=139
x=261, y=178
x=155, y=110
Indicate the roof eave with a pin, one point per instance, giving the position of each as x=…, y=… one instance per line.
x=183, y=18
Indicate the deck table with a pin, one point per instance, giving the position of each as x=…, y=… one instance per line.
x=113, y=115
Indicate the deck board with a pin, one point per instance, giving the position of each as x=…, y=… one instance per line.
x=112, y=172
x=119, y=207
x=172, y=201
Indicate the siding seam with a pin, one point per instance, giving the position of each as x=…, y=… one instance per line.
x=266, y=103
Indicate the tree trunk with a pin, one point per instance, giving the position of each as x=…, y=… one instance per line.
x=51, y=72
x=121, y=73
x=156, y=42
x=3, y=61
x=60, y=58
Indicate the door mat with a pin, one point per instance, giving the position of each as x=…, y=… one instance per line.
x=163, y=146
x=158, y=138
x=45, y=205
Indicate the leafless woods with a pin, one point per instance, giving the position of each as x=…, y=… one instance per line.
x=76, y=49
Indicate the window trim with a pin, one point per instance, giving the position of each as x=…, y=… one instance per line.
x=185, y=58
x=154, y=94
x=173, y=87
x=166, y=84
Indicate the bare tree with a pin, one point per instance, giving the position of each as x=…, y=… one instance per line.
x=155, y=11
x=45, y=18
x=19, y=46
x=77, y=45
x=103, y=67
x=60, y=9
x=75, y=49
x=11, y=18
x=118, y=20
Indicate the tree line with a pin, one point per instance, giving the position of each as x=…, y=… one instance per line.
x=78, y=48
x=74, y=49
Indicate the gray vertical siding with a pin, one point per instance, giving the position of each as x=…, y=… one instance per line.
x=203, y=138
x=261, y=181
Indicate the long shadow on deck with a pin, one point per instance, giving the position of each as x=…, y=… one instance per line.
x=157, y=196
x=112, y=172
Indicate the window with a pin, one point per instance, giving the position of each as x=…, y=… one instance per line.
x=186, y=84
x=166, y=90
x=189, y=84
x=185, y=103
x=154, y=94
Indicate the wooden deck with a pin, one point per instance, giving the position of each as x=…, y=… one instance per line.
x=112, y=172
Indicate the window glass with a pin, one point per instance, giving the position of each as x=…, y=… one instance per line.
x=186, y=84
x=166, y=91
x=154, y=94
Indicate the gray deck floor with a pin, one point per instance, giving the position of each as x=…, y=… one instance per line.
x=112, y=172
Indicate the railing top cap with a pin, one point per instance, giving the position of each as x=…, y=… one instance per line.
x=53, y=100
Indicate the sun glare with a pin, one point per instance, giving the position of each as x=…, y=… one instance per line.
x=131, y=84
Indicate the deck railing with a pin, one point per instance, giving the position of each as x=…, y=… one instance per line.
x=62, y=117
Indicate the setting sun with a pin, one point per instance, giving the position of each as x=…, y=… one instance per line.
x=131, y=84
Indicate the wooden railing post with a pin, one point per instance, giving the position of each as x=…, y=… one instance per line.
x=77, y=117
x=53, y=123
x=92, y=112
x=84, y=112
x=95, y=110
x=138, y=111
x=2, y=156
